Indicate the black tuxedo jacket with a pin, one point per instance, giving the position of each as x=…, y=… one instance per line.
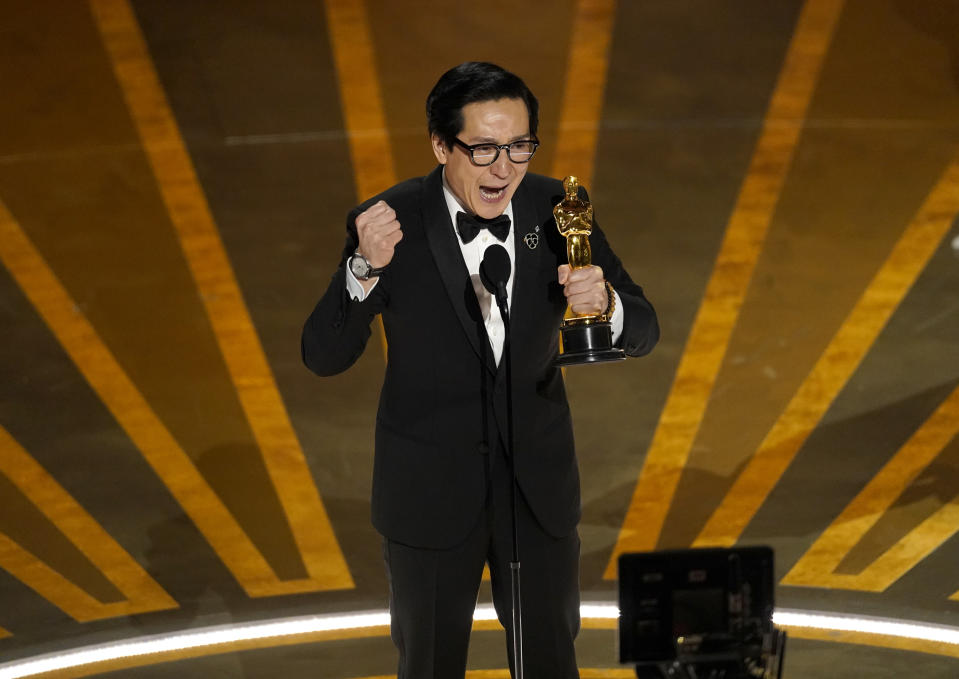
x=443, y=402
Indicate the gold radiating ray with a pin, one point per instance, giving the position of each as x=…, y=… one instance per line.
x=837, y=364
x=587, y=67
x=360, y=96
x=142, y=593
x=708, y=340
x=361, y=99
x=132, y=412
x=816, y=567
x=585, y=83
x=4, y=633
x=236, y=335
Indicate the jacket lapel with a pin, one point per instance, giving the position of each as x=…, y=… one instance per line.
x=449, y=261
x=526, y=263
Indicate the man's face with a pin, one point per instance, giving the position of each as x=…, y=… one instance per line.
x=486, y=191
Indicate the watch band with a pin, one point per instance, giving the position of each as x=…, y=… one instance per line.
x=610, y=303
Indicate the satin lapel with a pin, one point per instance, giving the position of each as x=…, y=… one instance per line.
x=526, y=265
x=449, y=261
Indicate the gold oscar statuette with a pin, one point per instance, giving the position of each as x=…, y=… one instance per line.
x=587, y=338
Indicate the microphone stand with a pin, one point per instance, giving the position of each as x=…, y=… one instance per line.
x=514, y=565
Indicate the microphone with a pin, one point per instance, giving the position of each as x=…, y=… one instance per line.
x=494, y=272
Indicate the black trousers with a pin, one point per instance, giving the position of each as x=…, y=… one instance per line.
x=433, y=592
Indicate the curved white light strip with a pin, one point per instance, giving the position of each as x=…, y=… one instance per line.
x=284, y=627
x=866, y=625
x=178, y=641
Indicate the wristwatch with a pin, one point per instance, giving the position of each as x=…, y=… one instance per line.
x=362, y=269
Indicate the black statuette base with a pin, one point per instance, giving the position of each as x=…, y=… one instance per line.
x=588, y=344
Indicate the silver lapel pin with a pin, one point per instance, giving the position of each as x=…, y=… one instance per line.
x=532, y=240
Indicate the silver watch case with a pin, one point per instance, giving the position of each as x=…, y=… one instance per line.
x=361, y=268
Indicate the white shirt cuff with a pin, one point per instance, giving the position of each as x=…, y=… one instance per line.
x=356, y=291
x=617, y=320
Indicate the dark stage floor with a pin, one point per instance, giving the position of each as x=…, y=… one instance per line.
x=781, y=177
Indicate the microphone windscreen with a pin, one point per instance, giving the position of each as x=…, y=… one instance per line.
x=495, y=268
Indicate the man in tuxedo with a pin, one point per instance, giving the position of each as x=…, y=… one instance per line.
x=441, y=473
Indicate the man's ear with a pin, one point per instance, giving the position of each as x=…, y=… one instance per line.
x=439, y=149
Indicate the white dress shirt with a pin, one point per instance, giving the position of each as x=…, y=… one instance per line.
x=473, y=256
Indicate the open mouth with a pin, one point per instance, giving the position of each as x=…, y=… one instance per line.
x=492, y=194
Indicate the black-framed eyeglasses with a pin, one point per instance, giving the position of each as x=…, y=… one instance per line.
x=486, y=154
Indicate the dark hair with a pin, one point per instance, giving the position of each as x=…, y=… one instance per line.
x=468, y=83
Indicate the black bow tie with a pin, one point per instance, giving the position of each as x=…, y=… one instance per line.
x=469, y=226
